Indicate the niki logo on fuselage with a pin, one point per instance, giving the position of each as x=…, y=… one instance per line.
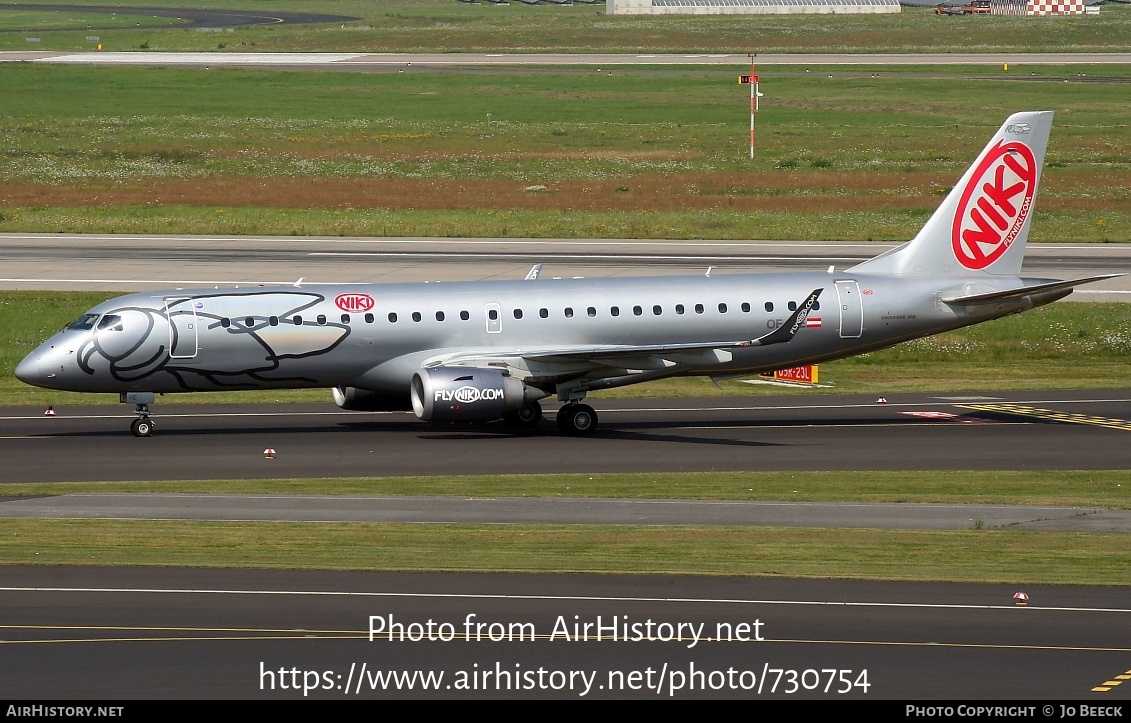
x=354, y=302
x=994, y=205
x=468, y=395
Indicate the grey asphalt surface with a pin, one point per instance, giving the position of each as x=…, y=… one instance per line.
x=804, y=432
x=181, y=633
x=192, y=17
x=539, y=511
x=362, y=61
x=129, y=263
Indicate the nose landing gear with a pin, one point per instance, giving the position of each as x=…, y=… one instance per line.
x=143, y=425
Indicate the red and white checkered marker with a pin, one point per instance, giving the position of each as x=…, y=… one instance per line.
x=268, y=453
x=50, y=412
x=881, y=400
x=1020, y=598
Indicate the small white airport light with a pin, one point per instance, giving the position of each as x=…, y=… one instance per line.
x=1020, y=598
x=50, y=412
x=268, y=453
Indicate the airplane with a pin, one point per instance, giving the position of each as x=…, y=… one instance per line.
x=489, y=350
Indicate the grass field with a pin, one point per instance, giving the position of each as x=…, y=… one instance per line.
x=962, y=556
x=448, y=26
x=865, y=155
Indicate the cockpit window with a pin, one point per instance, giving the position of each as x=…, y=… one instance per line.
x=110, y=322
x=85, y=323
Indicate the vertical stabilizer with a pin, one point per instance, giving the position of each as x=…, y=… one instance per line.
x=982, y=226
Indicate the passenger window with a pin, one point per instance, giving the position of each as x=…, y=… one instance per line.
x=493, y=314
x=569, y=312
x=368, y=318
x=637, y=310
x=816, y=305
x=464, y=315
x=769, y=306
x=544, y=313
x=614, y=311
x=722, y=308
x=592, y=311
x=298, y=320
x=416, y=316
x=745, y=307
x=518, y=313
x=273, y=321
x=321, y=319
x=345, y=318
x=225, y=323
x=439, y=316
x=657, y=310
x=679, y=308
x=249, y=322
x=392, y=317
x=698, y=308
x=792, y=306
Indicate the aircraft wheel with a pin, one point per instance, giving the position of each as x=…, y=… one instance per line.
x=527, y=416
x=141, y=427
x=578, y=420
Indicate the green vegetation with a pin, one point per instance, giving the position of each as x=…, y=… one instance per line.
x=448, y=26
x=1109, y=489
x=968, y=556
x=568, y=152
x=1064, y=345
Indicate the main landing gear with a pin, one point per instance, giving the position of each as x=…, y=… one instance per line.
x=577, y=420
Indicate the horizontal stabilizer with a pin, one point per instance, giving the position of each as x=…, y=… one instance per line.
x=993, y=297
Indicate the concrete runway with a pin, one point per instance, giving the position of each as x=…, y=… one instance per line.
x=559, y=511
x=355, y=62
x=113, y=633
x=129, y=263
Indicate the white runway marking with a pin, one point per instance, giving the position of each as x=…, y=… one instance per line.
x=157, y=58
x=573, y=598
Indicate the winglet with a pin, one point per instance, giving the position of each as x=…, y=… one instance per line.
x=788, y=330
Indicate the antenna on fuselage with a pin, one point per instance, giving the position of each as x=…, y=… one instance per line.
x=533, y=273
x=708, y=274
x=298, y=284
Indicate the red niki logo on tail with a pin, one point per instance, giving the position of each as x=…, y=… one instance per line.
x=994, y=205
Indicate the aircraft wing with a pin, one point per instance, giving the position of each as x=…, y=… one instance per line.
x=993, y=297
x=640, y=355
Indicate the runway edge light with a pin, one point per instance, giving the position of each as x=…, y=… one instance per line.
x=1020, y=598
x=50, y=412
x=268, y=453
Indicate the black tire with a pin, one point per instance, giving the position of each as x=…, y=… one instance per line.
x=141, y=427
x=526, y=417
x=578, y=420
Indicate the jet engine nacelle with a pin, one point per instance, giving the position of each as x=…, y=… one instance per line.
x=465, y=394
x=363, y=400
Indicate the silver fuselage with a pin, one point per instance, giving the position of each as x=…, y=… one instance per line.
x=374, y=337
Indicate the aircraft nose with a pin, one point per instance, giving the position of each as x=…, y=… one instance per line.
x=38, y=369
